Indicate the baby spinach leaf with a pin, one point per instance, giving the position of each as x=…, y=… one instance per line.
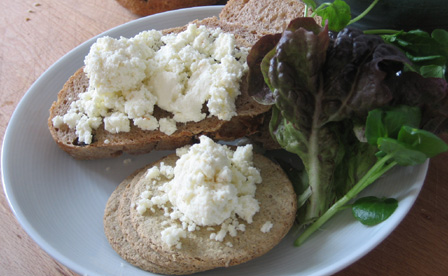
x=372, y=210
x=337, y=13
x=432, y=71
x=387, y=122
x=402, y=154
x=441, y=36
x=424, y=49
x=422, y=141
x=376, y=127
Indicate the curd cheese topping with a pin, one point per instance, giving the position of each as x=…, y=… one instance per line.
x=211, y=186
x=266, y=227
x=177, y=72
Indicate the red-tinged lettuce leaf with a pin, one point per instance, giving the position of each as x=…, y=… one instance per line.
x=259, y=87
x=295, y=70
x=357, y=75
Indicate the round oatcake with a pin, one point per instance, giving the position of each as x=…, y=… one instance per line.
x=277, y=205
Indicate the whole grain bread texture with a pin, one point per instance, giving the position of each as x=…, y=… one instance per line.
x=137, y=238
x=248, y=21
x=263, y=16
x=250, y=115
x=148, y=7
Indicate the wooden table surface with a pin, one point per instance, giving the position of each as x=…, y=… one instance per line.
x=36, y=33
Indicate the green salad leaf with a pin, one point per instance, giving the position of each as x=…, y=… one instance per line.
x=337, y=14
x=387, y=122
x=428, y=52
x=372, y=210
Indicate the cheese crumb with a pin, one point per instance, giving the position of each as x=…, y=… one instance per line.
x=172, y=235
x=266, y=227
x=167, y=126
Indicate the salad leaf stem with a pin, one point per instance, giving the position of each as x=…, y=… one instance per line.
x=321, y=7
x=366, y=11
x=383, y=32
x=381, y=167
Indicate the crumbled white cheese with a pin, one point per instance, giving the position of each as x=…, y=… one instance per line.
x=211, y=185
x=152, y=173
x=166, y=170
x=146, y=123
x=266, y=227
x=208, y=185
x=114, y=65
x=117, y=122
x=177, y=72
x=167, y=125
x=172, y=235
x=57, y=121
x=182, y=150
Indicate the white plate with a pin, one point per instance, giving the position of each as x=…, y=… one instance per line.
x=59, y=201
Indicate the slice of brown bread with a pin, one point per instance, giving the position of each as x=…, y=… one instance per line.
x=249, y=116
x=248, y=20
x=277, y=205
x=262, y=16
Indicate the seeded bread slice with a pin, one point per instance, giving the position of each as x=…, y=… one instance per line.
x=277, y=205
x=250, y=115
